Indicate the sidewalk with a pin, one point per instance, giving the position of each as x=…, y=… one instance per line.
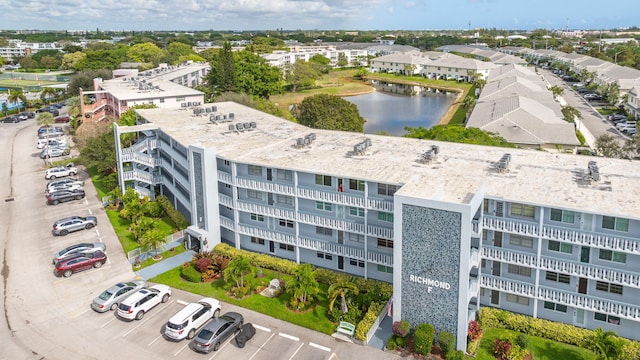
x=165, y=265
x=382, y=334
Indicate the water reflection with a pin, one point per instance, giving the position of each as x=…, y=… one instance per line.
x=393, y=106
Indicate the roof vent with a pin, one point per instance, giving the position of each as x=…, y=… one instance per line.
x=594, y=171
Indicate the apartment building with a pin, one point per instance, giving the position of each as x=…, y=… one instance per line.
x=453, y=226
x=19, y=49
x=167, y=86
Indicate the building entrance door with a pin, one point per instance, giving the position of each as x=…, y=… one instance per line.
x=582, y=285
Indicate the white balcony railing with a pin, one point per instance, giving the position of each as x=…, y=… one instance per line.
x=511, y=226
x=133, y=174
x=225, y=177
x=265, y=186
x=591, y=272
x=140, y=158
x=266, y=210
x=592, y=239
x=267, y=234
x=508, y=256
x=474, y=259
x=225, y=200
x=227, y=223
x=330, y=196
x=379, y=232
x=330, y=222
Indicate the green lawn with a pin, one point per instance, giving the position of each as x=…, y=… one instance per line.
x=314, y=319
x=167, y=254
x=541, y=349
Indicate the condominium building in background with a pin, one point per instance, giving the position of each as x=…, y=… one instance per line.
x=452, y=226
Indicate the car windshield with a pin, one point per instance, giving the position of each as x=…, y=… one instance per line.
x=106, y=295
x=205, y=334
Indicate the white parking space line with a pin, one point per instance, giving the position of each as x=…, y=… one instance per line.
x=333, y=356
x=154, y=340
x=90, y=213
x=319, y=347
x=261, y=328
x=81, y=313
x=261, y=346
x=182, y=302
x=98, y=233
x=146, y=318
x=108, y=322
x=295, y=352
x=181, y=348
x=290, y=337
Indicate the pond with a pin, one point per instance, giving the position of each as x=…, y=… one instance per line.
x=393, y=106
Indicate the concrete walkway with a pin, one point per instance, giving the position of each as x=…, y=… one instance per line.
x=165, y=265
x=382, y=334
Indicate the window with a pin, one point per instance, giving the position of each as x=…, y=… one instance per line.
x=555, y=307
x=285, y=223
x=385, y=269
x=179, y=98
x=522, y=300
x=257, y=217
x=325, y=256
x=227, y=163
x=561, y=247
x=356, y=211
x=562, y=216
x=357, y=185
x=385, y=189
x=483, y=263
x=607, y=318
x=519, y=240
x=323, y=180
x=356, y=262
x=254, y=194
x=613, y=223
x=561, y=278
x=255, y=170
x=385, y=216
x=323, y=231
x=519, y=270
x=608, y=287
x=284, y=199
x=356, y=237
x=256, y=240
x=284, y=175
x=385, y=243
x=523, y=210
x=161, y=100
x=286, y=247
x=613, y=256
x=323, y=206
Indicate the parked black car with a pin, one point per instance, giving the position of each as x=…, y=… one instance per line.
x=11, y=119
x=57, y=197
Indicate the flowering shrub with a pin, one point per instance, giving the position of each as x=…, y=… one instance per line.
x=401, y=328
x=474, y=331
x=203, y=264
x=501, y=349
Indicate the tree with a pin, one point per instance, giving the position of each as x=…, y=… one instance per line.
x=570, y=113
x=612, y=93
x=303, y=286
x=556, y=91
x=458, y=134
x=28, y=63
x=47, y=93
x=342, y=60
x=152, y=240
x=71, y=61
x=330, y=112
x=341, y=289
x=607, y=146
x=320, y=63
x=237, y=269
x=84, y=80
x=255, y=76
x=141, y=227
x=177, y=49
x=146, y=53
x=100, y=151
x=5, y=108
x=18, y=97
x=225, y=70
x=50, y=62
x=606, y=345
x=301, y=74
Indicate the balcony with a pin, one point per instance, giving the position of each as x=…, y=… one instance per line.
x=332, y=197
x=332, y=248
x=508, y=286
x=265, y=186
x=142, y=146
x=473, y=289
x=140, y=158
x=265, y=210
x=591, y=272
x=591, y=239
x=225, y=177
x=510, y=226
x=225, y=200
x=379, y=232
x=508, y=256
x=227, y=223
x=475, y=228
x=330, y=222
x=138, y=175
x=266, y=234
x=474, y=259
x=380, y=205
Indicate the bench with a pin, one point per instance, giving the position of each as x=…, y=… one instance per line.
x=346, y=328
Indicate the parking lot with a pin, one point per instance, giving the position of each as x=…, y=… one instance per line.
x=50, y=317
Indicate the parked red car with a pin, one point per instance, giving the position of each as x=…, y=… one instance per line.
x=79, y=262
x=62, y=119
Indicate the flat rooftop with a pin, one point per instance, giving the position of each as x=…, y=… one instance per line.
x=455, y=173
x=124, y=88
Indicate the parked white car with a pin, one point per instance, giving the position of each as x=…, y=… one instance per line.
x=60, y=171
x=187, y=321
x=55, y=142
x=135, y=306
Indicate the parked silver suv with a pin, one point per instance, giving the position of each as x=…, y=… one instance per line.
x=61, y=171
x=74, y=223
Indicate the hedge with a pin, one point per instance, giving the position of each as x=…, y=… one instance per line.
x=173, y=214
x=367, y=322
x=423, y=338
x=556, y=331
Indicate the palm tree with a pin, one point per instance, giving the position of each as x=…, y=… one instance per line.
x=556, y=91
x=236, y=271
x=152, y=240
x=341, y=289
x=570, y=113
x=16, y=97
x=607, y=345
x=304, y=285
x=47, y=93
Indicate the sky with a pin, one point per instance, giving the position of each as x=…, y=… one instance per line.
x=236, y=15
